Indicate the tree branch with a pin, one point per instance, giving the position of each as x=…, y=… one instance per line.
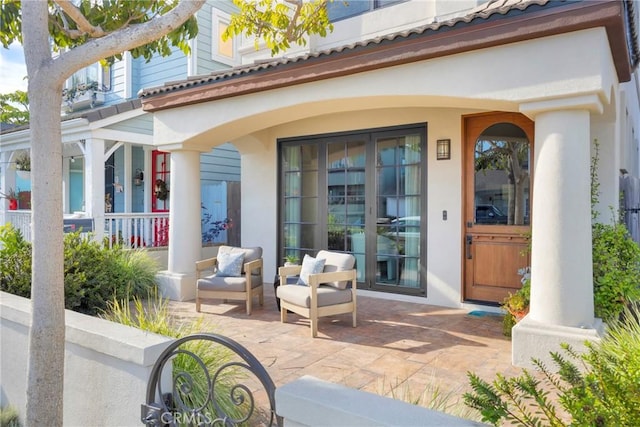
x=84, y=26
x=289, y=34
x=126, y=38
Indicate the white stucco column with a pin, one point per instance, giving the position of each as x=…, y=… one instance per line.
x=94, y=184
x=561, y=307
x=185, y=237
x=561, y=247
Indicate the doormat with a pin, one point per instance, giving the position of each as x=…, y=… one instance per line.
x=480, y=313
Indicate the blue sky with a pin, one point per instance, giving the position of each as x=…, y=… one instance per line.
x=12, y=69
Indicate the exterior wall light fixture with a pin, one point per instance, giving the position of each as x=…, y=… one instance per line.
x=443, y=149
x=138, y=178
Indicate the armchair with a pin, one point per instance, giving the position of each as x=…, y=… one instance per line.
x=328, y=293
x=229, y=280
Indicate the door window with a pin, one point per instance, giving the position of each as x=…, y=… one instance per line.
x=502, y=184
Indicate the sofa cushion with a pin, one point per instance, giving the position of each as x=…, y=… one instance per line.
x=310, y=265
x=230, y=264
x=300, y=295
x=221, y=283
x=337, y=261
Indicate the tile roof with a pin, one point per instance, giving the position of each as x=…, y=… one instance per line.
x=489, y=10
x=91, y=115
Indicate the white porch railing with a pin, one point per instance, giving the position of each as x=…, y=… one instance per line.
x=131, y=230
x=137, y=230
x=21, y=220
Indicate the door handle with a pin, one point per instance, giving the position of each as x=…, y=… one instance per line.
x=469, y=240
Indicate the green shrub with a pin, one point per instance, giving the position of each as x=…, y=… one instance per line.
x=598, y=388
x=93, y=274
x=616, y=269
x=616, y=257
x=136, y=272
x=15, y=262
x=90, y=276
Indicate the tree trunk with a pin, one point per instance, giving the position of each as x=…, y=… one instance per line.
x=46, y=339
x=46, y=77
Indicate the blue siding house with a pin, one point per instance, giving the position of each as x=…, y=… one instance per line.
x=112, y=172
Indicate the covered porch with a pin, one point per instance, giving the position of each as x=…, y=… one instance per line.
x=434, y=79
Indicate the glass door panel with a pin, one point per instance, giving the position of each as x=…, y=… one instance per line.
x=362, y=194
x=300, y=190
x=345, y=194
x=398, y=211
x=502, y=176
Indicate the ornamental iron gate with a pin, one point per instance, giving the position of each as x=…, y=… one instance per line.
x=215, y=382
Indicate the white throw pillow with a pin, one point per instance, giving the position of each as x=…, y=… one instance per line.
x=230, y=264
x=310, y=265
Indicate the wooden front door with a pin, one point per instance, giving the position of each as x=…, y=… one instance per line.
x=498, y=156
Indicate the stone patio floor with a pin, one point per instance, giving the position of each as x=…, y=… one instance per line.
x=399, y=349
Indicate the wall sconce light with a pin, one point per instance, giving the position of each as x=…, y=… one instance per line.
x=138, y=178
x=443, y=149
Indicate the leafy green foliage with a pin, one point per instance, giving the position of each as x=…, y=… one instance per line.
x=616, y=269
x=14, y=108
x=616, y=257
x=279, y=23
x=100, y=18
x=10, y=22
x=93, y=274
x=15, y=262
x=598, y=388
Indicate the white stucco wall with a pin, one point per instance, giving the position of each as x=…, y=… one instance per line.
x=309, y=401
x=444, y=188
x=107, y=365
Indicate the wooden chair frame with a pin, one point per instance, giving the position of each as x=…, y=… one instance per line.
x=209, y=264
x=313, y=313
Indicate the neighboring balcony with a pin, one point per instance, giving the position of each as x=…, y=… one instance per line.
x=81, y=97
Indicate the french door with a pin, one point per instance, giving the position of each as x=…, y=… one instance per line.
x=497, y=210
x=361, y=193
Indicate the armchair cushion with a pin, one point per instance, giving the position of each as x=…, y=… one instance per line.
x=300, y=295
x=310, y=265
x=222, y=283
x=230, y=264
x=336, y=261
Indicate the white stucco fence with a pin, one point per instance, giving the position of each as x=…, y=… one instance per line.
x=309, y=401
x=107, y=365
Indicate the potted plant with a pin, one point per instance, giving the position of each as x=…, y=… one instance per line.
x=23, y=166
x=516, y=305
x=12, y=197
x=291, y=259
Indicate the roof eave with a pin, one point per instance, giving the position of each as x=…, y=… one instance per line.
x=417, y=47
